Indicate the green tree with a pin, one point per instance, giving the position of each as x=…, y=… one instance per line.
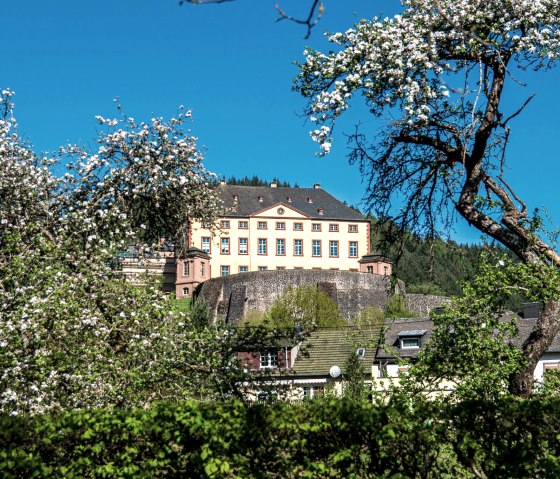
x=354, y=389
x=476, y=341
x=396, y=308
x=439, y=70
x=305, y=306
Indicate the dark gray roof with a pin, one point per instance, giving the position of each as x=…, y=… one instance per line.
x=331, y=347
x=396, y=327
x=414, y=327
x=248, y=202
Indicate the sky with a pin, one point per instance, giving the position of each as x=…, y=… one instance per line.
x=233, y=65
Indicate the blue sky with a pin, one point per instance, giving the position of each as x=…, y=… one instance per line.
x=233, y=66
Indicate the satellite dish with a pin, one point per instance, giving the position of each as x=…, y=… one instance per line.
x=335, y=372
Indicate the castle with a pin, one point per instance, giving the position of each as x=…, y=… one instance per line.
x=274, y=229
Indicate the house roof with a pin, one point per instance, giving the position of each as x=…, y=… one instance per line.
x=403, y=327
x=325, y=348
x=423, y=327
x=243, y=201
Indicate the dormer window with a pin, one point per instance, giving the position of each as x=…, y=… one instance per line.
x=235, y=198
x=261, y=198
x=289, y=199
x=411, y=339
x=321, y=211
x=309, y=199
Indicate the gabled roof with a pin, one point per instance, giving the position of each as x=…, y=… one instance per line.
x=243, y=201
x=325, y=348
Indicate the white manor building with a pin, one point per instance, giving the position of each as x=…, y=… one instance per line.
x=277, y=228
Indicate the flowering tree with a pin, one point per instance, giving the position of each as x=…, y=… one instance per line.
x=73, y=332
x=439, y=69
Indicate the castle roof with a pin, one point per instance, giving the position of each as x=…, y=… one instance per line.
x=316, y=203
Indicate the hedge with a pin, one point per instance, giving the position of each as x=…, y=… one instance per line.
x=322, y=439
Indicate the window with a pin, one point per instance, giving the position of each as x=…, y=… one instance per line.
x=206, y=244
x=185, y=291
x=206, y=224
x=224, y=246
x=298, y=226
x=333, y=227
x=280, y=225
x=316, y=249
x=352, y=228
x=261, y=225
x=280, y=247
x=333, y=249
x=243, y=269
x=369, y=269
x=243, y=225
x=186, y=268
x=411, y=339
x=202, y=269
x=385, y=270
x=269, y=359
x=410, y=343
x=353, y=250
x=224, y=271
x=298, y=247
x=316, y=227
x=224, y=224
x=262, y=246
x=310, y=392
x=280, y=268
x=361, y=352
x=263, y=268
x=243, y=245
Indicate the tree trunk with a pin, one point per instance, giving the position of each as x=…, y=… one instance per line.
x=542, y=335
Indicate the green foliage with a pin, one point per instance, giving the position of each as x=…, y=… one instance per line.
x=255, y=181
x=425, y=288
x=354, y=378
x=396, y=308
x=331, y=438
x=550, y=388
x=201, y=316
x=181, y=305
x=475, y=342
x=369, y=317
x=253, y=317
x=306, y=306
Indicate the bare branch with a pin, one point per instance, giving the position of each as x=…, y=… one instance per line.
x=310, y=21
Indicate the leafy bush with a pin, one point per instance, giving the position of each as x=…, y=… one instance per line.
x=332, y=438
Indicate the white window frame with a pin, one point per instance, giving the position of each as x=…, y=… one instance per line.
x=224, y=269
x=224, y=246
x=206, y=243
x=316, y=246
x=353, y=245
x=269, y=359
x=280, y=247
x=298, y=247
x=243, y=246
x=333, y=246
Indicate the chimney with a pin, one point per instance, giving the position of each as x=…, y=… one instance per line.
x=273, y=184
x=531, y=310
x=317, y=186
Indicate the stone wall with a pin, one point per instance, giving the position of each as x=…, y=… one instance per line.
x=422, y=304
x=235, y=295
